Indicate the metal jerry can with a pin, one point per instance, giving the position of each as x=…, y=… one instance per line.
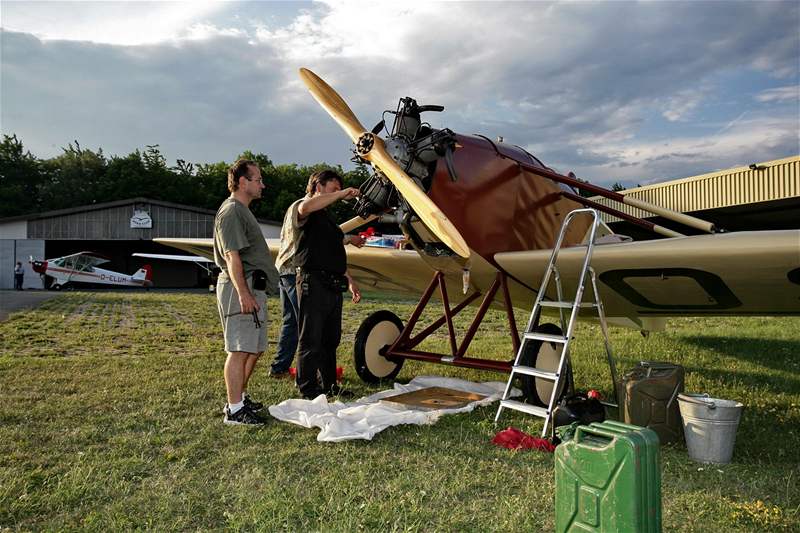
x=650, y=392
x=608, y=478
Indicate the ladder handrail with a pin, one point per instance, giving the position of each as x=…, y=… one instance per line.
x=567, y=329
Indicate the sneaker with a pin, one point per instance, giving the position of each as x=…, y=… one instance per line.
x=252, y=405
x=280, y=375
x=243, y=417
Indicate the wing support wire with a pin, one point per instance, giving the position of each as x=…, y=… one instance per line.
x=669, y=214
x=561, y=343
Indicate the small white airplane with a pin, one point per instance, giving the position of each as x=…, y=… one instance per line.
x=82, y=268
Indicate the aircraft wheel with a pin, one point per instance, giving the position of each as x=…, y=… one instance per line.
x=56, y=286
x=544, y=356
x=376, y=331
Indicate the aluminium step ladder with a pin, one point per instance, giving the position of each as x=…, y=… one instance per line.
x=531, y=335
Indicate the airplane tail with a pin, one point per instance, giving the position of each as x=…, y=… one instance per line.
x=144, y=274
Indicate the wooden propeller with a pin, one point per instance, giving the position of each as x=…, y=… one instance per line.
x=371, y=147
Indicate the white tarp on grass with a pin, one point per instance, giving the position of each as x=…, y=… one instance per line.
x=368, y=416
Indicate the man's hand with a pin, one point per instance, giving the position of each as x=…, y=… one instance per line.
x=248, y=303
x=353, y=287
x=356, y=240
x=346, y=194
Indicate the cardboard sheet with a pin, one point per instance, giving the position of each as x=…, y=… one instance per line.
x=433, y=398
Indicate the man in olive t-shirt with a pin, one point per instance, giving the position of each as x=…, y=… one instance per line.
x=247, y=275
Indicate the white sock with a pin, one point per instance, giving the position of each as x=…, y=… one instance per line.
x=235, y=407
x=244, y=395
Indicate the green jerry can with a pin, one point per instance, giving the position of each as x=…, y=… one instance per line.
x=608, y=478
x=652, y=483
x=650, y=399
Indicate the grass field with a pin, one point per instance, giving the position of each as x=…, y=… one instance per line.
x=110, y=419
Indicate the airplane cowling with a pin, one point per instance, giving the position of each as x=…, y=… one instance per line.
x=497, y=206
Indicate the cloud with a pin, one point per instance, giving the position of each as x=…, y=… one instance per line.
x=739, y=143
x=565, y=80
x=121, y=23
x=680, y=106
x=790, y=93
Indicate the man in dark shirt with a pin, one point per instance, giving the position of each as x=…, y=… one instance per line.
x=322, y=277
x=19, y=276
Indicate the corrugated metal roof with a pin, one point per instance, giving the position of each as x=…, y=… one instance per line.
x=761, y=182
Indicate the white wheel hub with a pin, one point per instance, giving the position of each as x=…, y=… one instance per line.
x=547, y=360
x=382, y=334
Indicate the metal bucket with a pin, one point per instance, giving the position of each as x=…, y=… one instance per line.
x=709, y=425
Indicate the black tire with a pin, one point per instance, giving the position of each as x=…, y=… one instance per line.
x=376, y=331
x=56, y=286
x=543, y=355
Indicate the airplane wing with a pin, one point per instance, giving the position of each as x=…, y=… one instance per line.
x=201, y=247
x=374, y=268
x=742, y=273
x=168, y=257
x=89, y=259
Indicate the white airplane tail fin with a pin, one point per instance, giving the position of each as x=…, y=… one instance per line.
x=144, y=274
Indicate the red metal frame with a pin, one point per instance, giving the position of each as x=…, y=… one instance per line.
x=403, y=347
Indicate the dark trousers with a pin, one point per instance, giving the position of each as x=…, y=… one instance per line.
x=287, y=340
x=320, y=322
x=18, y=281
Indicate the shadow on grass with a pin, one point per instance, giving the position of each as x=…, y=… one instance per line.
x=768, y=353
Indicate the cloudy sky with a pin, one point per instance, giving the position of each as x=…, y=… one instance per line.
x=615, y=91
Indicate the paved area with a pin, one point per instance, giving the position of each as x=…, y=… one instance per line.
x=11, y=301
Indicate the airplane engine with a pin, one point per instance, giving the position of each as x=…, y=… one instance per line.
x=416, y=147
x=476, y=182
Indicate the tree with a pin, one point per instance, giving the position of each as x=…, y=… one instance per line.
x=79, y=176
x=73, y=178
x=21, y=176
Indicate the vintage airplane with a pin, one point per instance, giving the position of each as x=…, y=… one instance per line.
x=82, y=268
x=482, y=218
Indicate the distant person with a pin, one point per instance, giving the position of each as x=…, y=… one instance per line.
x=322, y=277
x=287, y=341
x=19, y=276
x=248, y=273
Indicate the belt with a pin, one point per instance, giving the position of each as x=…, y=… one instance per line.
x=328, y=273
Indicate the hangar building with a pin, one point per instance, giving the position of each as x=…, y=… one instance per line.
x=115, y=230
x=761, y=196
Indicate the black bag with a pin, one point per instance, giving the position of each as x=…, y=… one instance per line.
x=259, y=280
x=335, y=282
x=578, y=408
x=331, y=281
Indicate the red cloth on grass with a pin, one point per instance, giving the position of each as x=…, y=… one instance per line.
x=514, y=439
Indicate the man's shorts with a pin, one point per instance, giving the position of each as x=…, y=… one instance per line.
x=240, y=330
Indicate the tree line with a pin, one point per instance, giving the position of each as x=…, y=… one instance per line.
x=79, y=176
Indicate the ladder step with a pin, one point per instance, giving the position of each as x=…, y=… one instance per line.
x=545, y=337
x=535, y=372
x=565, y=305
x=524, y=407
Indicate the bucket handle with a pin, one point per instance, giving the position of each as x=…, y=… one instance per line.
x=691, y=399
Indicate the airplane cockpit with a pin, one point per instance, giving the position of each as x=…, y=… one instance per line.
x=78, y=262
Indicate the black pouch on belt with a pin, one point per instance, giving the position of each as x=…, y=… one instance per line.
x=335, y=282
x=259, y=280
